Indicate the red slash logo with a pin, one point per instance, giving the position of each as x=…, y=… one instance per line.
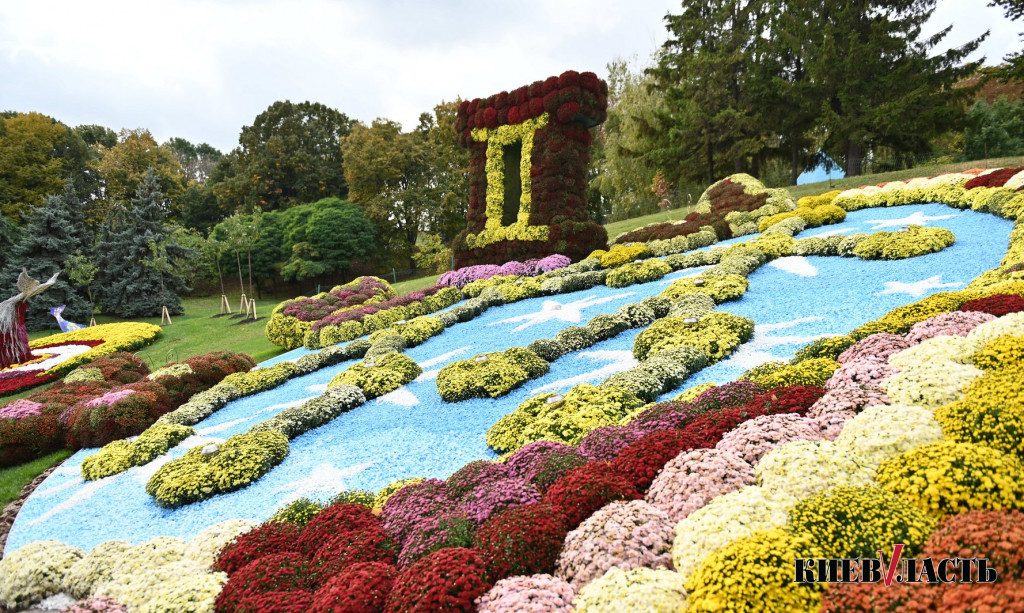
x=890, y=570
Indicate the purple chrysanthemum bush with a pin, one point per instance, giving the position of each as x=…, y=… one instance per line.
x=530, y=268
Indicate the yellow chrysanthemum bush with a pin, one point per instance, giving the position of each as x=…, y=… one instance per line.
x=721, y=288
x=621, y=254
x=813, y=371
x=127, y=336
x=814, y=210
x=991, y=412
x=637, y=272
x=205, y=471
x=909, y=243
x=379, y=375
x=120, y=455
x=947, y=477
x=627, y=591
x=415, y=331
x=856, y=522
x=34, y=572
x=489, y=375
x=755, y=574
x=717, y=334
x=554, y=417
x=1005, y=351
x=389, y=490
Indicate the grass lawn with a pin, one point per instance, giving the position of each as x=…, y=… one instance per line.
x=14, y=478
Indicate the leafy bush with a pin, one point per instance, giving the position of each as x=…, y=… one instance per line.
x=489, y=375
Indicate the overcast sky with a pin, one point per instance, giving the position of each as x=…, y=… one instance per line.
x=201, y=69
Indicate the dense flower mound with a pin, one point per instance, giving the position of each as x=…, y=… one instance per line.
x=937, y=349
x=468, y=274
x=752, y=439
x=368, y=545
x=692, y=479
x=34, y=572
x=876, y=346
x=638, y=589
x=1004, y=352
x=551, y=467
x=958, y=323
x=662, y=416
x=865, y=374
x=268, y=539
x=360, y=588
x=833, y=422
x=804, y=468
x=991, y=412
x=279, y=572
x=95, y=567
x=472, y=475
x=586, y=489
x=755, y=573
x=175, y=586
x=96, y=605
x=522, y=540
x=290, y=601
x=488, y=498
x=523, y=463
x=411, y=503
x=883, y=432
x=643, y=459
x=997, y=304
x=792, y=399
x=621, y=535
x=205, y=547
x=445, y=528
x=999, y=597
x=947, y=477
x=335, y=520
x=857, y=522
x=930, y=384
x=447, y=580
x=604, y=443
x=734, y=394
x=528, y=594
x=996, y=535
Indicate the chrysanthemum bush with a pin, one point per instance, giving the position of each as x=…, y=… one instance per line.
x=267, y=539
x=280, y=572
x=991, y=412
x=875, y=346
x=34, y=572
x=931, y=384
x=638, y=589
x=958, y=323
x=95, y=567
x=96, y=605
x=755, y=573
x=604, y=443
x=335, y=520
x=522, y=540
x=883, y=432
x=643, y=459
x=360, y=588
x=451, y=527
x=695, y=478
x=804, y=468
x=621, y=535
x=411, y=503
x=752, y=439
x=586, y=489
x=472, y=475
x=947, y=477
x=857, y=522
x=489, y=498
x=725, y=519
x=996, y=304
x=449, y=579
x=346, y=549
x=540, y=593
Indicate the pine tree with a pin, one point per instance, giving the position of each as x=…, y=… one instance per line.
x=127, y=286
x=9, y=235
x=54, y=231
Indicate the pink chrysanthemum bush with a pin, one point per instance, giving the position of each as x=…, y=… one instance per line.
x=488, y=498
x=604, y=443
x=450, y=527
x=957, y=323
x=876, y=346
x=832, y=423
x=752, y=439
x=96, y=605
x=474, y=474
x=410, y=504
x=621, y=535
x=755, y=574
x=694, y=478
x=528, y=594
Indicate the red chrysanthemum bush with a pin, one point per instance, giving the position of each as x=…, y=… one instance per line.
x=996, y=178
x=794, y=399
x=360, y=588
x=706, y=430
x=586, y=489
x=554, y=466
x=268, y=539
x=999, y=597
x=334, y=521
x=120, y=366
x=449, y=579
x=995, y=535
x=640, y=461
x=524, y=540
x=207, y=370
x=279, y=572
x=996, y=304
x=354, y=547
x=292, y=601
x=93, y=425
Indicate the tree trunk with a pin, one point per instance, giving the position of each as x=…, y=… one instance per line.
x=252, y=292
x=755, y=166
x=711, y=163
x=220, y=276
x=241, y=283
x=854, y=158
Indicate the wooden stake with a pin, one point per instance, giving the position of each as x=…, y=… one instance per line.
x=243, y=305
x=225, y=307
x=92, y=322
x=252, y=303
x=165, y=315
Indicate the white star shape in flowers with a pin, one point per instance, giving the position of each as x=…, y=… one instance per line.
x=686, y=273
x=324, y=478
x=753, y=352
x=917, y=219
x=431, y=374
x=619, y=361
x=552, y=309
x=795, y=264
x=57, y=355
x=917, y=288
x=401, y=397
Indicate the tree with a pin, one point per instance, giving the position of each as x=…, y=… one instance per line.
x=128, y=287
x=96, y=135
x=234, y=228
x=54, y=230
x=197, y=161
x=29, y=168
x=9, y=236
x=1014, y=67
x=994, y=130
x=82, y=271
x=327, y=240
x=288, y=156
x=125, y=166
x=878, y=85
